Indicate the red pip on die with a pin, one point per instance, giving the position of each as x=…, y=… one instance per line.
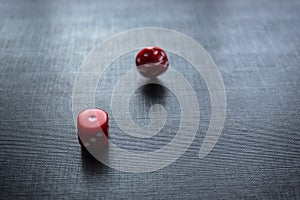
x=92, y=127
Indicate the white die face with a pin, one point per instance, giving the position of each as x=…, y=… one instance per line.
x=152, y=70
x=93, y=140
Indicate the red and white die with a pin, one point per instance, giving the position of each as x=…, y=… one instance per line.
x=92, y=127
x=152, y=61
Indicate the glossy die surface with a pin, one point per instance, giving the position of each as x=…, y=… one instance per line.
x=152, y=61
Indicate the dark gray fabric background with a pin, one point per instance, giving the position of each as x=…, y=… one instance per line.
x=256, y=47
